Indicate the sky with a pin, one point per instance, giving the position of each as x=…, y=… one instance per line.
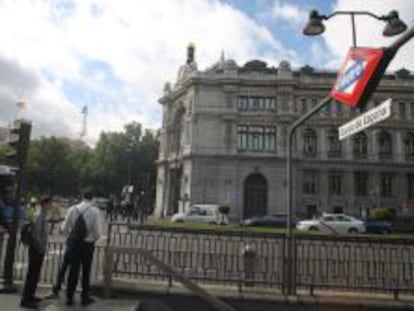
x=114, y=57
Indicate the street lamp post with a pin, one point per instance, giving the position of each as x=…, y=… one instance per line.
x=393, y=27
x=314, y=27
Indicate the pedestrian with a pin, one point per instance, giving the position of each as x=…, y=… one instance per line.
x=82, y=244
x=37, y=249
x=54, y=218
x=62, y=270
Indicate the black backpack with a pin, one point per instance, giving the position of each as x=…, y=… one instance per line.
x=79, y=230
x=26, y=234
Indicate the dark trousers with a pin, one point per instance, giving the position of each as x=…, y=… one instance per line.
x=65, y=264
x=81, y=255
x=33, y=273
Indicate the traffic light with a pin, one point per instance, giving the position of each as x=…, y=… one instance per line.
x=19, y=143
x=7, y=189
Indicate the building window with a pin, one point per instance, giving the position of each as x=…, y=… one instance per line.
x=384, y=144
x=326, y=111
x=270, y=103
x=402, y=112
x=242, y=135
x=304, y=105
x=314, y=102
x=256, y=138
x=310, y=182
x=334, y=144
x=360, y=145
x=256, y=103
x=336, y=108
x=412, y=110
x=242, y=103
x=386, y=185
x=335, y=183
x=409, y=145
x=410, y=185
x=270, y=138
x=361, y=183
x=310, y=142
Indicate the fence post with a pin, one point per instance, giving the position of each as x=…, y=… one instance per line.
x=249, y=257
x=108, y=271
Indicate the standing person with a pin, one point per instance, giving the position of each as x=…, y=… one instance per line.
x=37, y=249
x=62, y=270
x=82, y=244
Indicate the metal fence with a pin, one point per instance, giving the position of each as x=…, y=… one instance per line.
x=218, y=258
x=246, y=259
x=360, y=263
x=357, y=263
x=51, y=263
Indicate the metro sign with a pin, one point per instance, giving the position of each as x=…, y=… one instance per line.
x=359, y=75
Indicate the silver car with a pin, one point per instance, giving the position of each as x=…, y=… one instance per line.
x=201, y=213
x=333, y=224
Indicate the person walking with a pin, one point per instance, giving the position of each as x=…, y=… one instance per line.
x=81, y=217
x=62, y=270
x=37, y=249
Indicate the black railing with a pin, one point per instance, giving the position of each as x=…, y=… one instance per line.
x=53, y=260
x=346, y=263
x=245, y=259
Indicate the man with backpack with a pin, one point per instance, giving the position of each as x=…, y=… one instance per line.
x=83, y=227
x=37, y=243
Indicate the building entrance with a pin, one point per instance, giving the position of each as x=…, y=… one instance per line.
x=255, y=196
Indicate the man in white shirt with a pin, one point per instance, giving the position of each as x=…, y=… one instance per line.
x=82, y=249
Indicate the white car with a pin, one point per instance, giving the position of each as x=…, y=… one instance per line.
x=201, y=213
x=333, y=224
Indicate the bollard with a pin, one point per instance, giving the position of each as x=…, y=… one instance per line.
x=249, y=256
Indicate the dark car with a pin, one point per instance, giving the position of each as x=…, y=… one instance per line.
x=266, y=221
x=377, y=226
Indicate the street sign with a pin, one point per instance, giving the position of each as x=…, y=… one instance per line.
x=365, y=120
x=354, y=79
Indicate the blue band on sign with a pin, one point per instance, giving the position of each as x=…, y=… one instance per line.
x=351, y=75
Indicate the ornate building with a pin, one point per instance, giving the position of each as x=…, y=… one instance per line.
x=223, y=140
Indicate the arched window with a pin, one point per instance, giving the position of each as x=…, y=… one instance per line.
x=409, y=145
x=176, y=130
x=384, y=144
x=334, y=144
x=310, y=142
x=360, y=145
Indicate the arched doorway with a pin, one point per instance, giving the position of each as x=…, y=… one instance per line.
x=255, y=196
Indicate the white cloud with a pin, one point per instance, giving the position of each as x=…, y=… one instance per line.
x=290, y=13
x=141, y=44
x=338, y=33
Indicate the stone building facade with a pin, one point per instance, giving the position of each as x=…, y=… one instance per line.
x=223, y=140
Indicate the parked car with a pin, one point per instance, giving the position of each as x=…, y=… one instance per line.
x=377, y=226
x=403, y=224
x=274, y=221
x=333, y=224
x=201, y=213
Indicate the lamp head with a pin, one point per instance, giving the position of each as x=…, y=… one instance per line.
x=394, y=25
x=314, y=26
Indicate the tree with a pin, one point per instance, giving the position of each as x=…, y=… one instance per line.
x=62, y=166
x=50, y=169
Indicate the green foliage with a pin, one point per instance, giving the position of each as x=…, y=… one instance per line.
x=224, y=209
x=3, y=151
x=60, y=166
x=381, y=213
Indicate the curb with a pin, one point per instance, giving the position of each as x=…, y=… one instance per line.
x=354, y=300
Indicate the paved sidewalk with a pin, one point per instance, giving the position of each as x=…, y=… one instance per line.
x=11, y=302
